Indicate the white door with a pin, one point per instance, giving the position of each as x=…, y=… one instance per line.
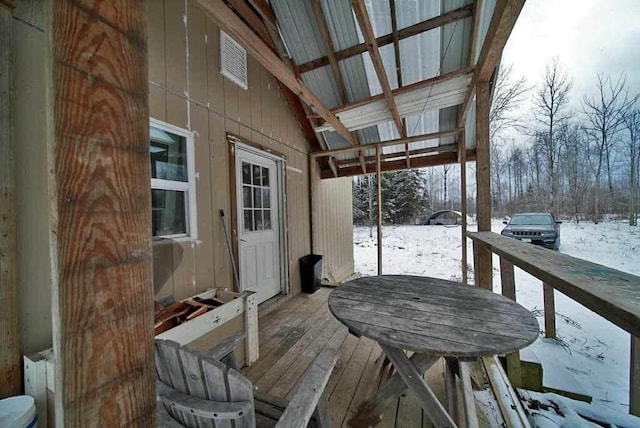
x=258, y=196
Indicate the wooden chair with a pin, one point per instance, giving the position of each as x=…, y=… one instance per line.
x=196, y=390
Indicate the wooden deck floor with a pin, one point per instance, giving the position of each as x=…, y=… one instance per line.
x=295, y=333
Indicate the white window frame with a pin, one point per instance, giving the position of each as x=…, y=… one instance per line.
x=189, y=187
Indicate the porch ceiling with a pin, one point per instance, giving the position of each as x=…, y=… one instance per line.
x=373, y=71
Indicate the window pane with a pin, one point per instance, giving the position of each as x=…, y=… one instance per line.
x=258, y=214
x=168, y=212
x=257, y=197
x=246, y=197
x=248, y=220
x=266, y=198
x=256, y=175
x=265, y=177
x=267, y=220
x=246, y=173
x=169, y=158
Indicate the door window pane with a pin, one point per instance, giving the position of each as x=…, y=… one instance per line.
x=266, y=198
x=169, y=158
x=257, y=197
x=246, y=173
x=248, y=220
x=246, y=197
x=267, y=220
x=256, y=175
x=168, y=213
x=265, y=177
x=258, y=214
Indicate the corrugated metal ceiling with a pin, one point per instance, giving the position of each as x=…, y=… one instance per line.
x=422, y=56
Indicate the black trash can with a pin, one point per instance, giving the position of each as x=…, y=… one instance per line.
x=310, y=272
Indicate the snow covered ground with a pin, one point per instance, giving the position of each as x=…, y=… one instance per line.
x=591, y=353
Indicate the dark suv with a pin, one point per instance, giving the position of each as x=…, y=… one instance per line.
x=537, y=228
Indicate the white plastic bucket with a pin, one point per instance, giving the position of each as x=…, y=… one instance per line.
x=18, y=412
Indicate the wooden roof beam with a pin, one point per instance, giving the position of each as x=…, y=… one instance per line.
x=422, y=162
x=447, y=148
x=367, y=31
x=412, y=139
x=505, y=15
x=396, y=51
x=421, y=27
x=228, y=21
x=335, y=68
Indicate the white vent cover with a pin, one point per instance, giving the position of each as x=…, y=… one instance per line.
x=233, y=60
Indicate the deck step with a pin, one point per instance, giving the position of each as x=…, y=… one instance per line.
x=541, y=376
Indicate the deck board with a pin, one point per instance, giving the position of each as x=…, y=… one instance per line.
x=292, y=335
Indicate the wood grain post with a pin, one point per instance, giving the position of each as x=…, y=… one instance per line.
x=98, y=115
x=483, y=267
x=462, y=154
x=549, y=311
x=9, y=329
x=379, y=202
x=507, y=278
x=634, y=378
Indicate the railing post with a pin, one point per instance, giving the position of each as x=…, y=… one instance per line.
x=481, y=255
x=507, y=278
x=634, y=377
x=549, y=312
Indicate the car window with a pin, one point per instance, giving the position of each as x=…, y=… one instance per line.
x=537, y=220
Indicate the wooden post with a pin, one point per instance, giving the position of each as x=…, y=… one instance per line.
x=549, y=311
x=9, y=330
x=379, y=201
x=99, y=178
x=507, y=278
x=462, y=152
x=634, y=378
x=483, y=263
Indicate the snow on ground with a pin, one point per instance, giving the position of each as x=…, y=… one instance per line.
x=591, y=354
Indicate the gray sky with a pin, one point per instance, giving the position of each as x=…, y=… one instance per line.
x=588, y=36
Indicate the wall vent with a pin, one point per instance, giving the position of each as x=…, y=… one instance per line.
x=233, y=60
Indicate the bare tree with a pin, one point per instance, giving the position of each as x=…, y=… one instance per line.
x=604, y=116
x=508, y=93
x=631, y=121
x=550, y=111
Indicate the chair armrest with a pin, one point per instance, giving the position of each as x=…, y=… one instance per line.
x=301, y=408
x=200, y=407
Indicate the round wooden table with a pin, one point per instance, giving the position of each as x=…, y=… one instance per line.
x=431, y=316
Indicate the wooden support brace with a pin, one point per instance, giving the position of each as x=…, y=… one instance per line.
x=514, y=367
x=413, y=378
x=634, y=378
x=252, y=350
x=370, y=412
x=549, y=311
x=10, y=377
x=462, y=155
x=379, y=205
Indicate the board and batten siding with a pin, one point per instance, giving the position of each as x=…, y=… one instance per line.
x=333, y=226
x=187, y=90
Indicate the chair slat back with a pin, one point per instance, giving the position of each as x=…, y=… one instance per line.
x=197, y=375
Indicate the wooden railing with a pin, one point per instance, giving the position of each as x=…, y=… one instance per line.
x=612, y=294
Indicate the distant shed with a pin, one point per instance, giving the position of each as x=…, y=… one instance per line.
x=445, y=218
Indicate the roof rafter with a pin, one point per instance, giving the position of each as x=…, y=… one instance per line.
x=412, y=139
x=421, y=27
x=421, y=162
x=396, y=51
x=335, y=68
x=255, y=46
x=367, y=31
x=272, y=38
